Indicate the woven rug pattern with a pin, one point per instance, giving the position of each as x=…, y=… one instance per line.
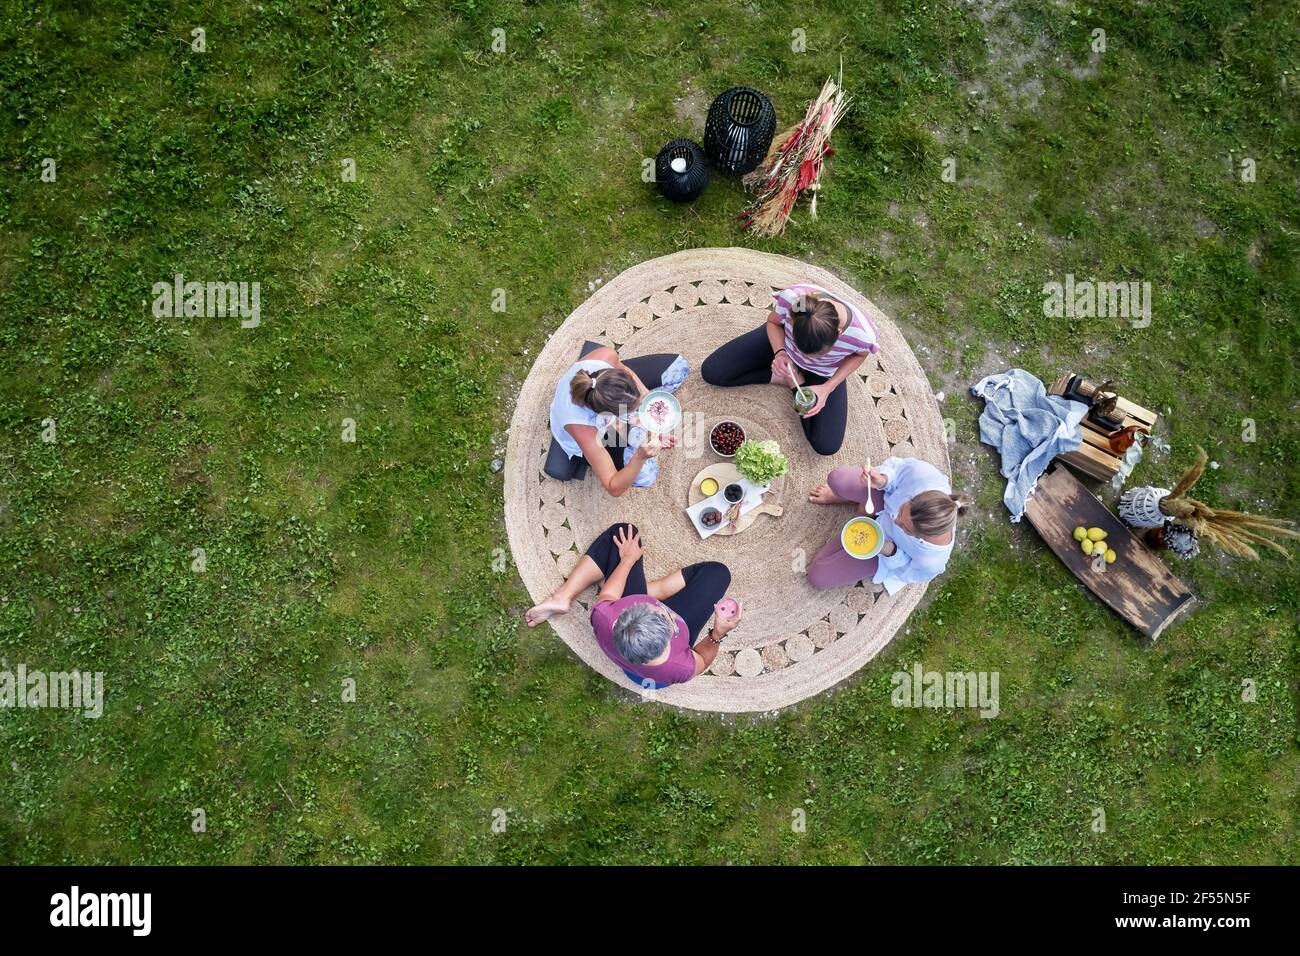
x=795, y=640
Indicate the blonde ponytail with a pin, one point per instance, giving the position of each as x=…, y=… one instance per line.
x=935, y=513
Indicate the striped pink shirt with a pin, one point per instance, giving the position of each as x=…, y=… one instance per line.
x=859, y=334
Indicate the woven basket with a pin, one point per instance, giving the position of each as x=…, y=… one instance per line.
x=739, y=130
x=688, y=184
x=1140, y=507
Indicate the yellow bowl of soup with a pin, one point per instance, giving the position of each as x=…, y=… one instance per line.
x=862, y=537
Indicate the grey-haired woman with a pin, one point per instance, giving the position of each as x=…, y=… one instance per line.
x=653, y=630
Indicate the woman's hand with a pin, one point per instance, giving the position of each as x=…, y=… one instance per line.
x=821, y=391
x=874, y=479
x=628, y=541
x=889, y=547
x=656, y=442
x=722, y=626
x=783, y=370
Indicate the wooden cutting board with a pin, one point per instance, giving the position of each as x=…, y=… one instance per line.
x=1138, y=587
x=725, y=473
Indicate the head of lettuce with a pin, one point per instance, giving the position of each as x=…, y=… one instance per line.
x=761, y=461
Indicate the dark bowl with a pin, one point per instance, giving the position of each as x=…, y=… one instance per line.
x=733, y=493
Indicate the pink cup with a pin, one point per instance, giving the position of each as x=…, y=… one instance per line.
x=727, y=609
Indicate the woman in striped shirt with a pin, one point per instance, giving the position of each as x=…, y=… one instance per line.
x=811, y=339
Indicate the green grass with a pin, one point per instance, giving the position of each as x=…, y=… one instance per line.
x=521, y=171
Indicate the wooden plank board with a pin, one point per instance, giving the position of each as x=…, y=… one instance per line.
x=1135, y=414
x=1096, y=439
x=1138, y=587
x=1101, y=439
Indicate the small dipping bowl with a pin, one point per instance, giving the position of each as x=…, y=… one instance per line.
x=733, y=493
x=709, y=487
x=849, y=531
x=710, y=517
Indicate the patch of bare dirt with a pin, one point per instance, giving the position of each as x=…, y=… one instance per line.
x=692, y=107
x=192, y=468
x=1018, y=57
x=1254, y=253
x=1205, y=228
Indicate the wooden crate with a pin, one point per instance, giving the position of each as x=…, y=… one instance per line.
x=1094, y=457
x=1134, y=414
x=1092, y=461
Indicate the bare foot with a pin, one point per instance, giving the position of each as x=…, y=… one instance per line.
x=551, y=606
x=789, y=375
x=822, y=495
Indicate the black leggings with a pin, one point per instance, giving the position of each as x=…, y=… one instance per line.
x=706, y=582
x=650, y=370
x=747, y=360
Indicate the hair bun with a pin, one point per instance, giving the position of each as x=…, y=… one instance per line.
x=580, y=387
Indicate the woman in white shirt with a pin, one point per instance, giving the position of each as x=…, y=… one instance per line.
x=914, y=503
x=593, y=401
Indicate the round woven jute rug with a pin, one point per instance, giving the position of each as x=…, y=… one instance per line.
x=795, y=640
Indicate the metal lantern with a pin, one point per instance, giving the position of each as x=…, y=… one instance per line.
x=681, y=171
x=739, y=130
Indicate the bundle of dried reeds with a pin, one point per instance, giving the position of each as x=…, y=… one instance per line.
x=1233, y=531
x=794, y=163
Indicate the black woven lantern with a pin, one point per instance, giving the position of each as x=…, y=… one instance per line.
x=686, y=183
x=739, y=130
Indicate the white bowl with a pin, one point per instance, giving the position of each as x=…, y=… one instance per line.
x=714, y=448
x=880, y=537
x=674, y=411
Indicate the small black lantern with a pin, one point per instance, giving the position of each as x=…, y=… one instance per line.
x=739, y=129
x=681, y=170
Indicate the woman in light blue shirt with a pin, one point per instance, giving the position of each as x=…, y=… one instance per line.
x=593, y=401
x=914, y=503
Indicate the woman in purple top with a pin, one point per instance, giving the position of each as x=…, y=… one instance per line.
x=810, y=339
x=647, y=628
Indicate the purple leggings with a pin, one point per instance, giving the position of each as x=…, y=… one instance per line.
x=834, y=567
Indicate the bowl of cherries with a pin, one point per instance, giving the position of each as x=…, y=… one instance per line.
x=726, y=437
